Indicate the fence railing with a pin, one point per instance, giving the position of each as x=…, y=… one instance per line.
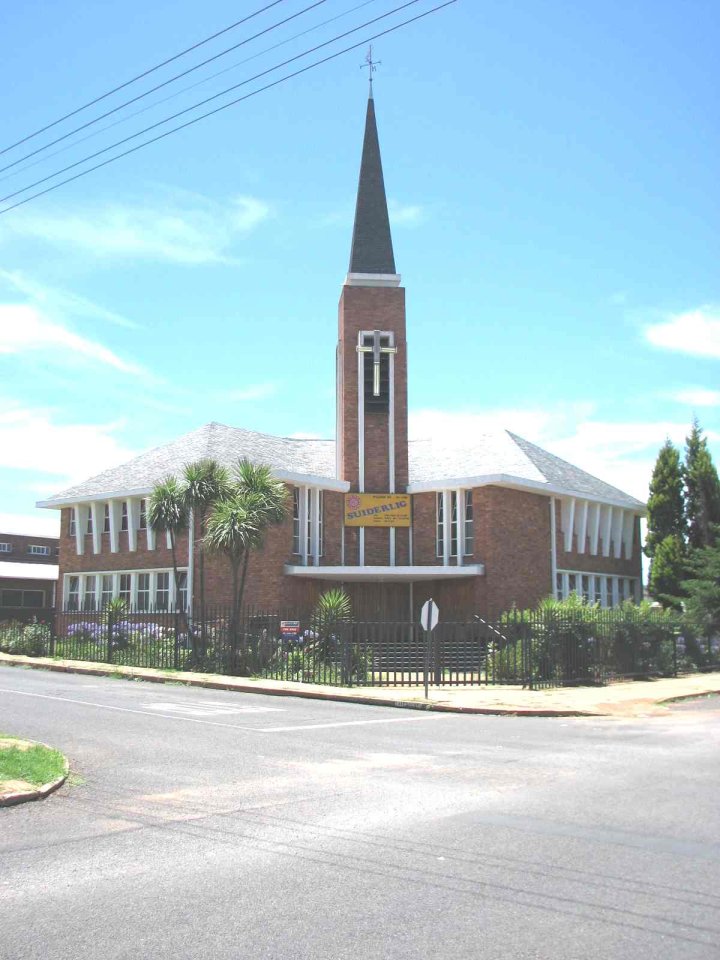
x=542, y=650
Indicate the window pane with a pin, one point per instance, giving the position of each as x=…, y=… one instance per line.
x=73, y=591
x=296, y=520
x=609, y=589
x=572, y=583
x=182, y=596
x=71, y=525
x=586, y=588
x=559, y=586
x=33, y=598
x=106, y=519
x=142, y=522
x=107, y=589
x=162, y=591
x=320, y=523
x=453, y=524
x=125, y=587
x=88, y=525
x=11, y=598
x=440, y=526
x=124, y=516
x=469, y=525
x=143, y=591
x=89, y=595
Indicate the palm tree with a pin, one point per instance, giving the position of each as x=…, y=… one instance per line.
x=205, y=483
x=237, y=525
x=267, y=498
x=168, y=513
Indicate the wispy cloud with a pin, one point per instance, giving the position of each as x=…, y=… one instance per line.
x=24, y=329
x=188, y=230
x=254, y=391
x=55, y=301
x=697, y=397
x=696, y=332
x=32, y=439
x=405, y=214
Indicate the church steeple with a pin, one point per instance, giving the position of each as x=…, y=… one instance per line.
x=371, y=257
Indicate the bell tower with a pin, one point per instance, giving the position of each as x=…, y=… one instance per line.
x=371, y=427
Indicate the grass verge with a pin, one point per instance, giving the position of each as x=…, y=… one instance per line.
x=36, y=764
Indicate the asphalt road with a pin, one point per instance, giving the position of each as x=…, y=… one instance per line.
x=223, y=825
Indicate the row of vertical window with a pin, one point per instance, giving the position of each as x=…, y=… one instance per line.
x=596, y=588
x=467, y=523
x=146, y=590
x=301, y=506
x=34, y=549
x=87, y=519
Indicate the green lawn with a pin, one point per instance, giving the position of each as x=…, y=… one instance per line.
x=35, y=765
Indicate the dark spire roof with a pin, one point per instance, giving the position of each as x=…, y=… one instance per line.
x=372, y=250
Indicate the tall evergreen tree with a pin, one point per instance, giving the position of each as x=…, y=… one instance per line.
x=667, y=571
x=666, y=515
x=702, y=490
x=703, y=588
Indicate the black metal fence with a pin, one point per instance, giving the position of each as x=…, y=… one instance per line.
x=543, y=650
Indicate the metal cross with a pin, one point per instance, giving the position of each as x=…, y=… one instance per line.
x=376, y=350
x=371, y=65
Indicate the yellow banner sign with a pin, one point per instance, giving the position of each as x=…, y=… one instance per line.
x=377, y=510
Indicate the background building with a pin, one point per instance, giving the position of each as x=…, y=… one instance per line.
x=28, y=567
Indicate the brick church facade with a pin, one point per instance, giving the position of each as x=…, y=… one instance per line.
x=480, y=527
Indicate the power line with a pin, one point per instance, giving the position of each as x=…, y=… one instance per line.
x=201, y=103
x=146, y=73
x=190, y=86
x=232, y=103
x=165, y=83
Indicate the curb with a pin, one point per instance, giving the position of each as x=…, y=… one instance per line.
x=128, y=673
x=39, y=793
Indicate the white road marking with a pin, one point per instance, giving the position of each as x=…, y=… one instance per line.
x=199, y=709
x=232, y=726
x=142, y=713
x=356, y=723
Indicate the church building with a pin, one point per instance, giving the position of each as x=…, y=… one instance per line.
x=482, y=525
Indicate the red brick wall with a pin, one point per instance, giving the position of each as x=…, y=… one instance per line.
x=20, y=545
x=372, y=308
x=586, y=562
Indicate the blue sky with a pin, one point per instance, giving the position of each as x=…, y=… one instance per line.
x=551, y=171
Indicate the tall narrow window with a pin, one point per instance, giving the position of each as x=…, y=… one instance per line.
x=73, y=597
x=321, y=525
x=469, y=524
x=559, y=586
x=162, y=591
x=440, y=527
x=106, y=593
x=143, y=591
x=610, y=600
x=142, y=521
x=89, y=523
x=598, y=590
x=89, y=593
x=72, y=522
x=307, y=493
x=181, y=599
x=124, y=516
x=296, y=519
x=106, y=519
x=125, y=588
x=572, y=583
x=585, y=581
x=454, y=524
x=376, y=373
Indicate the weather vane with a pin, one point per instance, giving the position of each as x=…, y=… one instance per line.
x=371, y=66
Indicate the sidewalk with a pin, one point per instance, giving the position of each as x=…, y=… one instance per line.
x=628, y=699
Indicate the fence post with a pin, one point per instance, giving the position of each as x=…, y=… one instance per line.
x=526, y=647
x=109, y=634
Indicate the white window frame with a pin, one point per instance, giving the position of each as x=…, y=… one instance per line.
x=38, y=550
x=72, y=525
x=6, y=548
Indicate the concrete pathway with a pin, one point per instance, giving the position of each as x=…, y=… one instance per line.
x=628, y=699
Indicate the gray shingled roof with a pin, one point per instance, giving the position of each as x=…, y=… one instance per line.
x=225, y=444
x=372, y=250
x=489, y=455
